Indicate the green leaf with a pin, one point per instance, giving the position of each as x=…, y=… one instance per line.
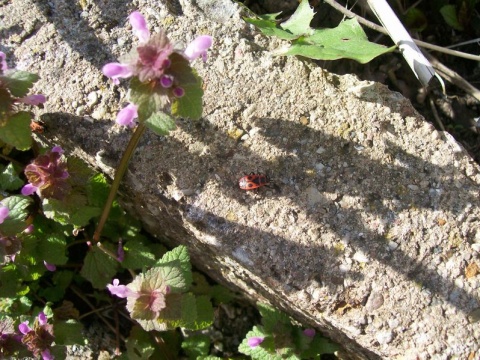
x=9, y=179
x=274, y=321
x=172, y=274
x=99, y=268
x=139, y=344
x=52, y=249
x=196, y=345
x=137, y=255
x=179, y=253
x=161, y=123
x=189, y=105
x=263, y=351
x=299, y=22
x=70, y=211
x=68, y=333
x=141, y=95
x=17, y=132
x=97, y=190
x=449, y=14
x=204, y=313
x=270, y=28
x=320, y=345
x=19, y=82
x=18, y=211
x=347, y=40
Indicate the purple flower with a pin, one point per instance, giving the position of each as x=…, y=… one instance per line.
x=198, y=47
x=24, y=328
x=34, y=100
x=309, y=332
x=47, y=175
x=122, y=291
x=4, y=211
x=3, y=62
x=254, y=341
x=116, y=70
x=50, y=267
x=29, y=189
x=38, y=339
x=178, y=92
x=139, y=26
x=29, y=229
x=127, y=115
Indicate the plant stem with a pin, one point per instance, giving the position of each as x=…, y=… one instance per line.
x=122, y=167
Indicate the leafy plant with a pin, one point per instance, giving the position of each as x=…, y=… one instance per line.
x=347, y=40
x=278, y=338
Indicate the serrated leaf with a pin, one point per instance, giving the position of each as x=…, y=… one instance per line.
x=9, y=179
x=204, y=313
x=299, y=22
x=173, y=275
x=161, y=123
x=17, y=132
x=68, y=333
x=196, y=345
x=139, y=344
x=97, y=190
x=265, y=350
x=190, y=105
x=180, y=253
x=98, y=267
x=18, y=81
x=70, y=211
x=137, y=255
x=274, y=321
x=15, y=222
x=347, y=40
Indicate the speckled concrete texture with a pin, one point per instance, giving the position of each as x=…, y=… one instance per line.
x=374, y=218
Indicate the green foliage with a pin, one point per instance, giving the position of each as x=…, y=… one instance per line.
x=15, y=125
x=140, y=345
x=99, y=267
x=9, y=179
x=279, y=339
x=161, y=123
x=347, y=40
x=196, y=345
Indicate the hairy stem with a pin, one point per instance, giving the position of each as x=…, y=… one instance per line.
x=122, y=167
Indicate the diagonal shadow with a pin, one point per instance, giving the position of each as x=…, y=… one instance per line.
x=183, y=162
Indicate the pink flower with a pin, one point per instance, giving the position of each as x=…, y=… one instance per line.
x=254, y=341
x=122, y=291
x=116, y=70
x=127, y=115
x=34, y=100
x=139, y=26
x=24, y=328
x=50, y=267
x=29, y=189
x=198, y=47
x=4, y=211
x=309, y=332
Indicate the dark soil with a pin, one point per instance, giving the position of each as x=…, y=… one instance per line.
x=456, y=112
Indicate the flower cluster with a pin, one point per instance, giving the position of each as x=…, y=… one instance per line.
x=156, y=64
x=47, y=175
x=39, y=338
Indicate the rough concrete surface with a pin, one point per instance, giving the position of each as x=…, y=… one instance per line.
x=374, y=219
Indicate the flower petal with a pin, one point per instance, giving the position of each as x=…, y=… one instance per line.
x=198, y=47
x=127, y=115
x=254, y=341
x=24, y=328
x=139, y=26
x=4, y=211
x=29, y=189
x=34, y=100
x=116, y=70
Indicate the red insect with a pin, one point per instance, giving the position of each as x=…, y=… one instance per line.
x=253, y=181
